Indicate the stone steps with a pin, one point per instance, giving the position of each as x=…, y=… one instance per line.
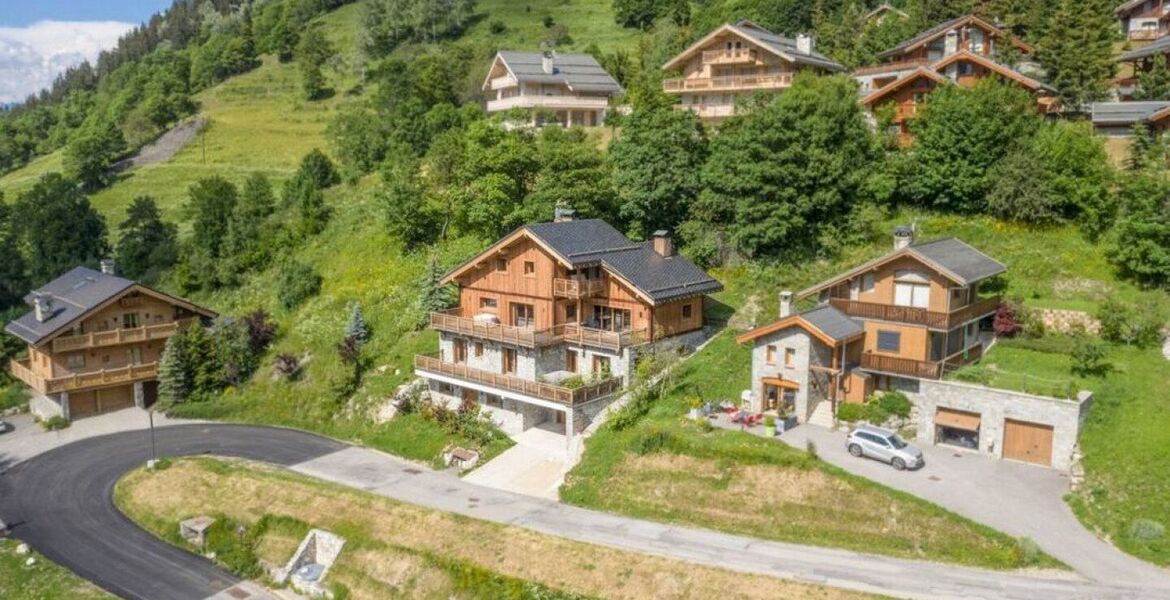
x=822, y=415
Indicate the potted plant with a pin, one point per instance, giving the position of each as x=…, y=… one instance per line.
x=770, y=426
x=696, y=404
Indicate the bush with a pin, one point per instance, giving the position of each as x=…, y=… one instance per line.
x=895, y=403
x=297, y=282
x=1146, y=530
x=1088, y=358
x=1130, y=325
x=1028, y=551
x=12, y=395
x=498, y=28
x=1006, y=322
x=55, y=423
x=633, y=411
x=850, y=412
x=234, y=546
x=652, y=440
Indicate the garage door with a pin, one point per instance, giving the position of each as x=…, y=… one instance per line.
x=84, y=404
x=1029, y=442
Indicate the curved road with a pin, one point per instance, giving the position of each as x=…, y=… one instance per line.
x=61, y=503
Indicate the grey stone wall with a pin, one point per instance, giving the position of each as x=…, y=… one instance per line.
x=809, y=351
x=994, y=406
x=46, y=407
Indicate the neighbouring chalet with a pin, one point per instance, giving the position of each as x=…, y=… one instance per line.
x=911, y=314
x=961, y=51
x=552, y=318
x=1136, y=61
x=1116, y=119
x=1143, y=20
x=94, y=342
x=571, y=88
x=883, y=12
x=735, y=61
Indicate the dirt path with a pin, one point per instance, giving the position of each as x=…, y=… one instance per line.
x=166, y=146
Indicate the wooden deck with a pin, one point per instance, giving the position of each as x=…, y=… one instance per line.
x=535, y=389
x=82, y=381
x=527, y=337
x=114, y=337
x=917, y=316
x=921, y=369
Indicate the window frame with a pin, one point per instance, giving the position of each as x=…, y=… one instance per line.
x=790, y=357
x=486, y=302
x=883, y=345
x=529, y=268
x=770, y=354
x=688, y=311
x=501, y=265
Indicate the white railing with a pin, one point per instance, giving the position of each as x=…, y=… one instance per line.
x=708, y=111
x=564, y=101
x=734, y=82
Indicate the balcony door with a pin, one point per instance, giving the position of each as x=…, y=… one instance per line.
x=523, y=315
x=911, y=288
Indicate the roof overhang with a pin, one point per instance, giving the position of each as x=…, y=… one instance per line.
x=793, y=321
x=991, y=65
x=899, y=83
x=725, y=28
x=907, y=252
x=968, y=20
x=487, y=80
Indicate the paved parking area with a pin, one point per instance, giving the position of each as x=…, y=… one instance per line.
x=30, y=439
x=535, y=466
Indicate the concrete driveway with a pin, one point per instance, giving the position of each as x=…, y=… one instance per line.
x=1018, y=499
x=30, y=439
x=535, y=466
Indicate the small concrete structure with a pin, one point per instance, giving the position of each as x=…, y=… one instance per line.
x=309, y=565
x=194, y=530
x=460, y=457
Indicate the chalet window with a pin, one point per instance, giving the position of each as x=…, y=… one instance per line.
x=571, y=361
x=770, y=355
x=75, y=361
x=493, y=401
x=129, y=320
x=502, y=265
x=134, y=356
x=611, y=319
x=487, y=303
x=867, y=282
x=529, y=267
x=601, y=365
x=789, y=357
x=911, y=288
x=686, y=311
x=510, y=361
x=523, y=315
x=460, y=351
x=478, y=349
x=889, y=341
x=570, y=313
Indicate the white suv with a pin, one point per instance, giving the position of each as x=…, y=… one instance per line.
x=884, y=445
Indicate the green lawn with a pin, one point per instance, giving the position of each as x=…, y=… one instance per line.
x=42, y=581
x=589, y=22
x=668, y=469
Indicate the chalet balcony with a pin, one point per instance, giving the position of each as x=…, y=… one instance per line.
x=709, y=111
x=577, y=288
x=527, y=337
x=892, y=67
x=114, y=337
x=917, y=316
x=730, y=83
x=730, y=57
x=516, y=385
x=78, y=381
x=920, y=369
x=566, y=102
x=1143, y=34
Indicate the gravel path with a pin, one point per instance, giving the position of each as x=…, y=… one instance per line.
x=166, y=146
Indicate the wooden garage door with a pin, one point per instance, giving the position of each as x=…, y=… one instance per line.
x=1029, y=442
x=84, y=404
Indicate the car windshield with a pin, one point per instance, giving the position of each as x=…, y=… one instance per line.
x=896, y=442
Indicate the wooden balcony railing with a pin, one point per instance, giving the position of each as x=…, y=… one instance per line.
x=577, y=288
x=892, y=67
x=535, y=389
x=77, y=381
x=527, y=337
x=732, y=56
x=901, y=366
x=115, y=336
x=914, y=315
x=735, y=82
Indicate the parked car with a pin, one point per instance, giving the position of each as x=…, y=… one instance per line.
x=884, y=445
x=5, y=427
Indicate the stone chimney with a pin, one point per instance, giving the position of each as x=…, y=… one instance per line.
x=42, y=306
x=785, y=304
x=662, y=243
x=107, y=265
x=563, y=215
x=903, y=236
x=546, y=62
x=805, y=44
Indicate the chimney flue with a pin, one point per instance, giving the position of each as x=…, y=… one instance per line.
x=805, y=43
x=903, y=236
x=107, y=265
x=785, y=304
x=563, y=215
x=42, y=306
x=546, y=62
x=662, y=243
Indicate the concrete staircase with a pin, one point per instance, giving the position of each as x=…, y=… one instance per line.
x=822, y=415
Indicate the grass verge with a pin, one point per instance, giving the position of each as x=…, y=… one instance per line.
x=399, y=550
x=42, y=581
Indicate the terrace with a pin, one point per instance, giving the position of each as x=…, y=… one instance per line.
x=523, y=388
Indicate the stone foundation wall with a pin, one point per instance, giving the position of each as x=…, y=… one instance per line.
x=44, y=407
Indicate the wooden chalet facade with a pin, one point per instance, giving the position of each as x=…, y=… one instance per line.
x=95, y=341
x=913, y=313
x=735, y=61
x=1144, y=20
x=552, y=318
x=568, y=89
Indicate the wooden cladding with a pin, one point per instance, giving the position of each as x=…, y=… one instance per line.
x=114, y=337
x=93, y=379
x=915, y=315
x=528, y=337
x=534, y=389
x=577, y=288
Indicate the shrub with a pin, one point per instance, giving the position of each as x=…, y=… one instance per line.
x=12, y=395
x=895, y=403
x=498, y=28
x=297, y=282
x=652, y=440
x=1127, y=324
x=974, y=374
x=55, y=423
x=1088, y=358
x=769, y=421
x=1146, y=530
x=234, y=546
x=811, y=447
x=1028, y=551
x=1005, y=322
x=287, y=365
x=850, y=412
x=638, y=405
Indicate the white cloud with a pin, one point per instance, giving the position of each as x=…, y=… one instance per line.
x=32, y=56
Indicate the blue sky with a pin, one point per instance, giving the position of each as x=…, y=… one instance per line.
x=19, y=13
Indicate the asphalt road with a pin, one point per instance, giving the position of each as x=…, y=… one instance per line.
x=61, y=503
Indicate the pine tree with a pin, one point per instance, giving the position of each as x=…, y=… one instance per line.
x=1145, y=151
x=175, y=382
x=13, y=271
x=147, y=243
x=1076, y=51
x=435, y=296
x=356, y=327
x=1154, y=82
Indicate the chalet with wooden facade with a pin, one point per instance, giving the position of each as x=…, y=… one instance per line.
x=94, y=342
x=552, y=318
x=572, y=89
x=884, y=11
x=1136, y=61
x=962, y=51
x=1144, y=20
x=736, y=61
x=913, y=313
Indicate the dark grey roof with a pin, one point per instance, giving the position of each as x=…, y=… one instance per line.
x=833, y=322
x=590, y=242
x=1161, y=46
x=1128, y=6
x=1124, y=113
x=580, y=72
x=71, y=295
x=926, y=34
x=959, y=259
x=787, y=46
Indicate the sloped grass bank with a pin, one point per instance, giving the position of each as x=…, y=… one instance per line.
x=44, y=580
x=403, y=551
